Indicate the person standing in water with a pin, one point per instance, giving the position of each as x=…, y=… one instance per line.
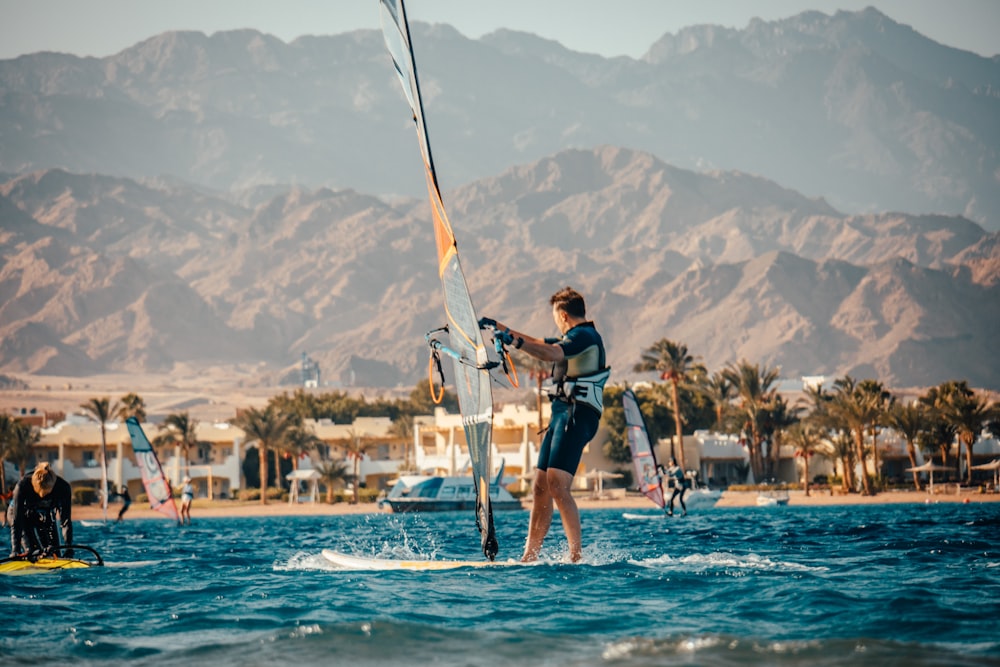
x=579, y=374
x=126, y=501
x=187, y=497
x=679, y=484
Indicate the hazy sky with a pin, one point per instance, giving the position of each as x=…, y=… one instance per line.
x=607, y=27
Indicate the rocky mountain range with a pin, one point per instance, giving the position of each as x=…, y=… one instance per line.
x=853, y=107
x=233, y=200
x=110, y=274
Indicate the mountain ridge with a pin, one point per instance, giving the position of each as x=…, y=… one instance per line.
x=853, y=107
x=351, y=279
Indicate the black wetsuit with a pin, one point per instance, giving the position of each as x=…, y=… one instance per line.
x=126, y=501
x=583, y=371
x=33, y=518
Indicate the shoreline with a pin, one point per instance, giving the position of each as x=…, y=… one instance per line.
x=224, y=508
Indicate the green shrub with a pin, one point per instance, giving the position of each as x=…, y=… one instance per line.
x=254, y=494
x=84, y=496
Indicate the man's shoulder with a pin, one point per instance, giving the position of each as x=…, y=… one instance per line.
x=585, y=331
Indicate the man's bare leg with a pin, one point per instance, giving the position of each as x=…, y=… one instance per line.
x=541, y=517
x=560, y=485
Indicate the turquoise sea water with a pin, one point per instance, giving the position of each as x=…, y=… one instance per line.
x=875, y=585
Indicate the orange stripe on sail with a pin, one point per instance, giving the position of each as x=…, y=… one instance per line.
x=444, y=237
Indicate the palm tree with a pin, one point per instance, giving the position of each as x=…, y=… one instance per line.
x=940, y=432
x=268, y=427
x=298, y=441
x=102, y=409
x=719, y=390
x=879, y=401
x=672, y=361
x=808, y=438
x=909, y=421
x=777, y=416
x=131, y=405
x=754, y=388
x=852, y=407
x=356, y=451
x=842, y=449
x=330, y=473
x=180, y=430
x=967, y=413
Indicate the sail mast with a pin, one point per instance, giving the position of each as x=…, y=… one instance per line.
x=465, y=347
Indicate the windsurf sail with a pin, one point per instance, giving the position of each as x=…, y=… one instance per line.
x=104, y=476
x=461, y=338
x=647, y=472
x=157, y=488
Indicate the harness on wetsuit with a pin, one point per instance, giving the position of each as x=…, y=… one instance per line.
x=586, y=389
x=581, y=381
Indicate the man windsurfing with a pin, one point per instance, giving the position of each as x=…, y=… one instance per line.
x=580, y=371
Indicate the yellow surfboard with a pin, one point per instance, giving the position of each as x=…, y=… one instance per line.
x=349, y=562
x=41, y=565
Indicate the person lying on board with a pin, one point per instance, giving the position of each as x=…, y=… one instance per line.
x=41, y=499
x=580, y=372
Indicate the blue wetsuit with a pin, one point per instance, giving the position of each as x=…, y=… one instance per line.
x=577, y=398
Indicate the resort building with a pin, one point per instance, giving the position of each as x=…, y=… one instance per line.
x=376, y=452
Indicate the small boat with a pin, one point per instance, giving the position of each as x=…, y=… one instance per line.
x=772, y=498
x=433, y=493
x=701, y=496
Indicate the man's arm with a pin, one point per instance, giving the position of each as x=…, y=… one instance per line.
x=535, y=347
x=66, y=517
x=21, y=539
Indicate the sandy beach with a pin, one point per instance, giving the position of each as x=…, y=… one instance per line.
x=223, y=508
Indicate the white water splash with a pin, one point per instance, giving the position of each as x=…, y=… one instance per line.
x=730, y=561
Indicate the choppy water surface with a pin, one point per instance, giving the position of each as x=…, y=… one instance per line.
x=878, y=585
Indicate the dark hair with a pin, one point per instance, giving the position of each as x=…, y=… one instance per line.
x=569, y=301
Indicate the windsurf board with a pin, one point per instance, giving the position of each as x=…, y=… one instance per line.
x=349, y=562
x=24, y=566
x=630, y=515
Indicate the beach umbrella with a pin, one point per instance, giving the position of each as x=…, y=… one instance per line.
x=930, y=467
x=993, y=465
x=600, y=476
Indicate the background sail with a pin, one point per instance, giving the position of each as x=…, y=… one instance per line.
x=104, y=477
x=475, y=396
x=647, y=474
x=157, y=488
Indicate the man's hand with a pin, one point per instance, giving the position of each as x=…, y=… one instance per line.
x=487, y=322
x=504, y=336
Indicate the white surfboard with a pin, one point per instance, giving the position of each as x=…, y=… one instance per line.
x=630, y=515
x=349, y=562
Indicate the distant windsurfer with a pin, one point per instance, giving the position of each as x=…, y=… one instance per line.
x=41, y=499
x=187, y=497
x=126, y=501
x=679, y=484
x=578, y=377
